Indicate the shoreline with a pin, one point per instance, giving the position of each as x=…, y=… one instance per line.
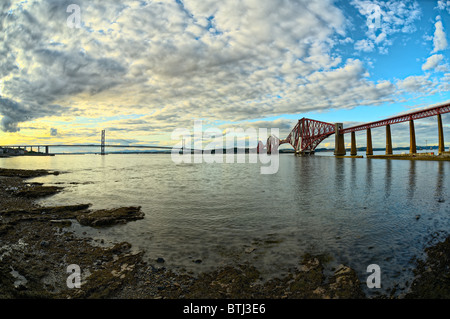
x=36, y=249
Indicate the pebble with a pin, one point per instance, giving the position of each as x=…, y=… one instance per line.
x=250, y=249
x=160, y=260
x=44, y=243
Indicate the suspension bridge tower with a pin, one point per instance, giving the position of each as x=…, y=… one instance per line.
x=102, y=147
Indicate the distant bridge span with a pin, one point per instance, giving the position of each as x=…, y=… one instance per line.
x=100, y=146
x=90, y=145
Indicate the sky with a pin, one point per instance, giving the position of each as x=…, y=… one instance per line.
x=142, y=69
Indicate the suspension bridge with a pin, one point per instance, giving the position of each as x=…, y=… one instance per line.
x=102, y=146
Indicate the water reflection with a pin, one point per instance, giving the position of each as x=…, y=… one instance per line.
x=412, y=179
x=388, y=179
x=353, y=179
x=440, y=181
x=339, y=172
x=369, y=176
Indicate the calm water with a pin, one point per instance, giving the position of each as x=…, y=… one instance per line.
x=359, y=211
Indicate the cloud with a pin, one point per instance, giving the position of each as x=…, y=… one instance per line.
x=416, y=84
x=174, y=61
x=443, y=5
x=53, y=132
x=432, y=62
x=439, y=39
x=384, y=19
x=364, y=45
x=439, y=43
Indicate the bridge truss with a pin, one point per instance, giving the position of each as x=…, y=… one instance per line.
x=308, y=134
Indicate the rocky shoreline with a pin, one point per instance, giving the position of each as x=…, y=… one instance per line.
x=36, y=249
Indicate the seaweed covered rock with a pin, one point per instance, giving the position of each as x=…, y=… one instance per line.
x=344, y=284
x=37, y=190
x=433, y=274
x=109, y=217
x=23, y=173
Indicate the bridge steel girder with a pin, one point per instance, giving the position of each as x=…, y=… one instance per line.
x=440, y=109
x=308, y=134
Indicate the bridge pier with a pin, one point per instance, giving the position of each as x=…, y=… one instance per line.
x=46, y=150
x=441, y=149
x=353, y=151
x=388, y=140
x=412, y=138
x=339, y=148
x=369, y=149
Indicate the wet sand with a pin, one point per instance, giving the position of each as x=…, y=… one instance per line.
x=37, y=246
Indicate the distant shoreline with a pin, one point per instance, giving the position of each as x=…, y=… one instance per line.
x=224, y=151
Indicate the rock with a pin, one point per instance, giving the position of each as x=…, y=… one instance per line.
x=345, y=284
x=61, y=223
x=249, y=250
x=417, y=217
x=20, y=281
x=198, y=261
x=109, y=217
x=22, y=173
x=98, y=263
x=342, y=270
x=160, y=260
x=319, y=291
x=37, y=191
x=45, y=243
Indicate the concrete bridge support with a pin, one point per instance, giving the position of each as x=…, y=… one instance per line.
x=353, y=151
x=412, y=138
x=369, y=150
x=441, y=135
x=339, y=148
x=388, y=140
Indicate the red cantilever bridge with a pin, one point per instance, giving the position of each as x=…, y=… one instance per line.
x=308, y=133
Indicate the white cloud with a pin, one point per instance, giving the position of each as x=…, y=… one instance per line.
x=432, y=62
x=217, y=60
x=416, y=84
x=439, y=39
x=443, y=5
x=444, y=85
x=384, y=19
x=364, y=45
